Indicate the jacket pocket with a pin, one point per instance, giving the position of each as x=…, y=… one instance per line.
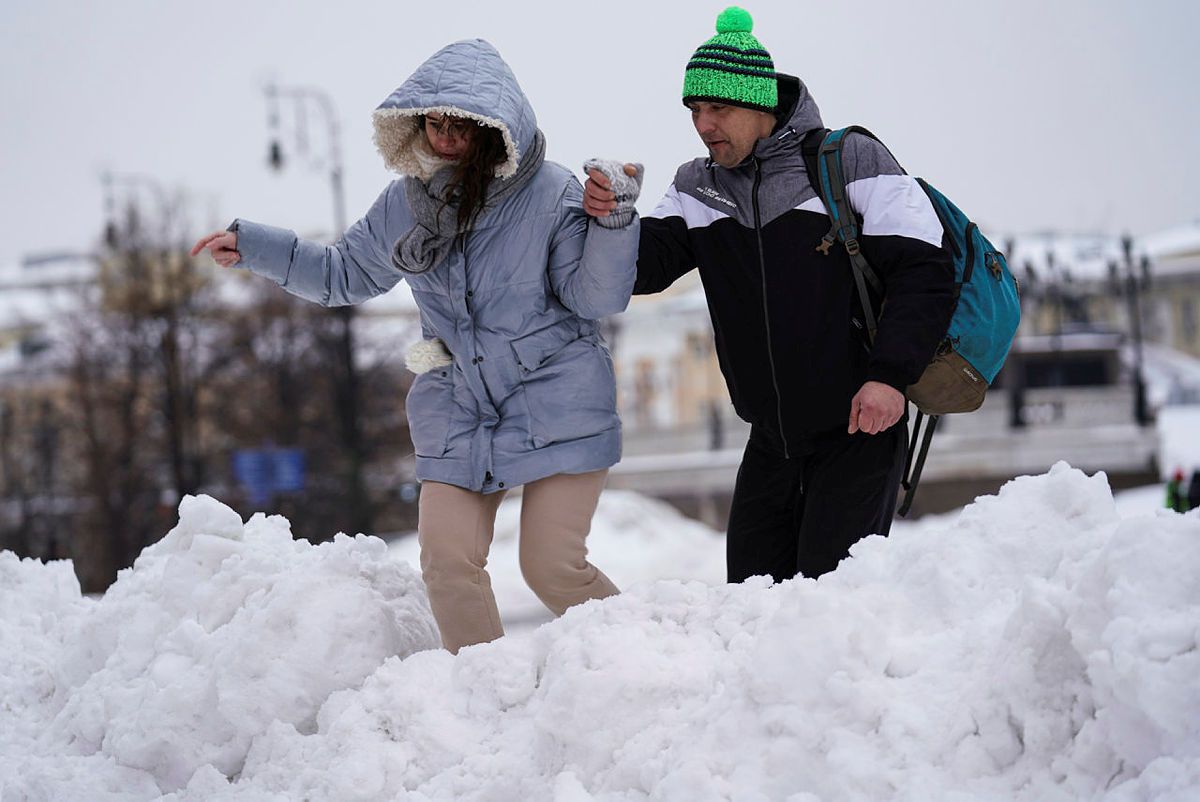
x=568, y=384
x=430, y=401
x=533, y=349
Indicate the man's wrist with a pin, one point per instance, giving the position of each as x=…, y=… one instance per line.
x=620, y=218
x=892, y=378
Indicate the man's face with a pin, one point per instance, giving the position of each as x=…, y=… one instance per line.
x=729, y=132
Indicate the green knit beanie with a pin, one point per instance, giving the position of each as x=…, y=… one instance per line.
x=732, y=67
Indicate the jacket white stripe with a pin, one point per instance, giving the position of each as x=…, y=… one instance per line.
x=891, y=205
x=693, y=212
x=813, y=204
x=895, y=205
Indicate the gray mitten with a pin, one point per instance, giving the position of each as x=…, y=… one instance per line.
x=626, y=187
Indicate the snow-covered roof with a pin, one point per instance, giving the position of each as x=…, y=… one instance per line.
x=21, y=308
x=1174, y=243
x=43, y=287
x=1056, y=256
x=1087, y=257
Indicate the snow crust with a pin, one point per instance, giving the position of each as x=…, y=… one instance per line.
x=216, y=632
x=1035, y=647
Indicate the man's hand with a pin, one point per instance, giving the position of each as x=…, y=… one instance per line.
x=610, y=191
x=222, y=245
x=875, y=408
x=598, y=198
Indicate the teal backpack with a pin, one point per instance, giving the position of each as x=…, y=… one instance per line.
x=987, y=307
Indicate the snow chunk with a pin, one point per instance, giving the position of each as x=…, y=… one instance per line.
x=200, y=515
x=218, y=632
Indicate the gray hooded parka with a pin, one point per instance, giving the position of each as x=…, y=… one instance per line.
x=531, y=391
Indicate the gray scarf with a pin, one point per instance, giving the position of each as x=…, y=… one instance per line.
x=427, y=243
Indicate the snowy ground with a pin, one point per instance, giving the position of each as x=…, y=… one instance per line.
x=1037, y=646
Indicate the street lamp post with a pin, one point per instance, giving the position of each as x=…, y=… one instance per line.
x=347, y=390
x=1140, y=409
x=300, y=96
x=1014, y=368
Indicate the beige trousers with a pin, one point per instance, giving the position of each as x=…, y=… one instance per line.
x=455, y=528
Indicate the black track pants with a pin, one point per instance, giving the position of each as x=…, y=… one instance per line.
x=801, y=515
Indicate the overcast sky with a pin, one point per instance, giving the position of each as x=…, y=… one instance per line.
x=1078, y=115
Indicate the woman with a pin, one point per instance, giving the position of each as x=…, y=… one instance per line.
x=515, y=385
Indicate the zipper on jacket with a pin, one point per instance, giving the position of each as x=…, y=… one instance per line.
x=467, y=294
x=762, y=268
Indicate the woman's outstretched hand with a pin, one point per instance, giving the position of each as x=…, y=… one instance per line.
x=222, y=245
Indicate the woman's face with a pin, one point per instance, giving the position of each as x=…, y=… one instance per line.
x=448, y=136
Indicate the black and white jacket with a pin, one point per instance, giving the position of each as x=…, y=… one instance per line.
x=787, y=319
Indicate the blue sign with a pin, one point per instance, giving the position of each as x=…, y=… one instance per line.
x=289, y=470
x=263, y=472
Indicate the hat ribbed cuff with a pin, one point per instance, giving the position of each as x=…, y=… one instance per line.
x=727, y=102
x=741, y=87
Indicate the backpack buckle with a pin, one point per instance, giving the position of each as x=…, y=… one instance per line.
x=992, y=263
x=852, y=247
x=826, y=243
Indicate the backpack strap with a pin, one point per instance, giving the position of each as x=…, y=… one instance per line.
x=912, y=471
x=824, y=164
x=829, y=181
x=810, y=146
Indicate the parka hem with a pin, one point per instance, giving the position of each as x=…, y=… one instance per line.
x=587, y=454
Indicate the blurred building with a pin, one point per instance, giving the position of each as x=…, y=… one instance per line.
x=36, y=297
x=1173, y=295
x=1083, y=280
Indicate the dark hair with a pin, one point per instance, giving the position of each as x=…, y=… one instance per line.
x=475, y=171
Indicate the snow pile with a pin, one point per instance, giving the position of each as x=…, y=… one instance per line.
x=217, y=631
x=1037, y=647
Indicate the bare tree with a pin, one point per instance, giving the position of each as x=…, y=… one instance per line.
x=30, y=498
x=158, y=380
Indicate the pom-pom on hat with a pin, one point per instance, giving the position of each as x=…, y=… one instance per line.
x=732, y=67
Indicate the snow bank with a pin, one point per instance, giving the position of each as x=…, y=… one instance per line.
x=1037, y=647
x=217, y=631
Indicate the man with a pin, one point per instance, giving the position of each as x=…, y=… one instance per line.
x=823, y=464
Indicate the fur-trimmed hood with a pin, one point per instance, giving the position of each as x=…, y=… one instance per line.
x=464, y=79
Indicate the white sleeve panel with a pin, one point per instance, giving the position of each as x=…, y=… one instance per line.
x=669, y=205
x=895, y=205
x=813, y=205
x=693, y=212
